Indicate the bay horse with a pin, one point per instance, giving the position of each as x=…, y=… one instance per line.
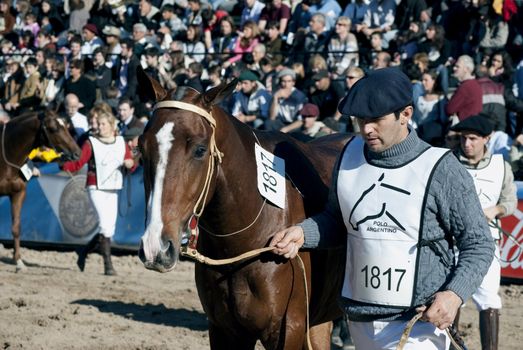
x=200, y=160
x=18, y=137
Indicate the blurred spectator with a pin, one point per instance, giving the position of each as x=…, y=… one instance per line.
x=30, y=24
x=248, y=38
x=193, y=47
x=329, y=8
x=150, y=15
x=77, y=119
x=251, y=103
x=53, y=85
x=407, y=12
x=274, y=44
x=286, y=103
x=91, y=39
x=84, y=88
x=326, y=95
x=215, y=77
x=78, y=16
x=311, y=127
x=368, y=55
x=48, y=9
x=355, y=11
x=275, y=10
x=342, y=48
x=102, y=72
x=467, y=99
x=193, y=15
x=12, y=81
x=258, y=53
x=431, y=120
x=126, y=117
x=127, y=81
x=301, y=16
x=435, y=46
x=225, y=42
x=379, y=18
x=171, y=21
x=252, y=10
x=8, y=20
x=496, y=33
x=30, y=96
x=112, y=38
x=151, y=58
x=194, y=74
x=382, y=60
x=139, y=38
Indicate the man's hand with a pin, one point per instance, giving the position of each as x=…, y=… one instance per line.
x=288, y=242
x=492, y=212
x=443, y=309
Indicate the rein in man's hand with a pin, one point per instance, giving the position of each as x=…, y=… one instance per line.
x=288, y=241
x=442, y=311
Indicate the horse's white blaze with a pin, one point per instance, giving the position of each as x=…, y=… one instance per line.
x=151, y=240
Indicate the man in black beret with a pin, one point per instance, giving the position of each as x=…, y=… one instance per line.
x=396, y=203
x=495, y=187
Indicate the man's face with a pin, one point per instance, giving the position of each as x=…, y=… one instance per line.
x=144, y=7
x=316, y=25
x=88, y=35
x=308, y=121
x=322, y=84
x=473, y=144
x=125, y=111
x=71, y=107
x=248, y=86
x=99, y=59
x=286, y=82
x=382, y=133
x=125, y=51
x=138, y=35
x=460, y=71
x=380, y=61
x=75, y=48
x=152, y=61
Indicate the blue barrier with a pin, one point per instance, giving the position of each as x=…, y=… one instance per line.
x=57, y=210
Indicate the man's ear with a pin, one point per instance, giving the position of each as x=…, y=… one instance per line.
x=406, y=115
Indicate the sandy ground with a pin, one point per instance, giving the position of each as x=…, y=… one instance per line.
x=54, y=306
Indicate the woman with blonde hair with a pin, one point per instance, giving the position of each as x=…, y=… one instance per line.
x=105, y=154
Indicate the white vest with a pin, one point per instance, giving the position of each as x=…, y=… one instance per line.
x=382, y=210
x=108, y=159
x=488, y=182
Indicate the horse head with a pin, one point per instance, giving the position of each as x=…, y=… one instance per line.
x=180, y=156
x=53, y=133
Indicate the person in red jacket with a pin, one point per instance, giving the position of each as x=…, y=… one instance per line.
x=105, y=155
x=468, y=98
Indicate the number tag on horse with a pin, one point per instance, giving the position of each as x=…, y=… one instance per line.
x=27, y=171
x=271, y=176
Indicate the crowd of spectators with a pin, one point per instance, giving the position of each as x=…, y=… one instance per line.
x=464, y=57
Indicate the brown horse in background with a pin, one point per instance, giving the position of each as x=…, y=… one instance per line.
x=260, y=298
x=18, y=137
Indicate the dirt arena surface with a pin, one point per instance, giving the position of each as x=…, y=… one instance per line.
x=54, y=306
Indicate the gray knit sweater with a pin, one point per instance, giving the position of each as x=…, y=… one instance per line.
x=452, y=211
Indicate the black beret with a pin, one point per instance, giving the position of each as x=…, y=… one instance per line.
x=380, y=92
x=479, y=124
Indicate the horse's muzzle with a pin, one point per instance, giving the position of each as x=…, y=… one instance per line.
x=164, y=261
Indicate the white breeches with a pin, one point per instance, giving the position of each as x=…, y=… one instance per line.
x=105, y=203
x=381, y=335
x=487, y=297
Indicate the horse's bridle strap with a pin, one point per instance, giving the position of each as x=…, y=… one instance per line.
x=186, y=106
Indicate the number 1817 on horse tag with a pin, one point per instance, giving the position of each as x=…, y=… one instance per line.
x=271, y=176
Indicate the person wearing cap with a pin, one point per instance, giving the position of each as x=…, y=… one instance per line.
x=326, y=95
x=91, y=39
x=114, y=49
x=251, y=103
x=286, y=104
x=496, y=190
x=396, y=205
x=311, y=127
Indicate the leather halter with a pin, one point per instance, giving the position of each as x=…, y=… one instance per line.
x=215, y=152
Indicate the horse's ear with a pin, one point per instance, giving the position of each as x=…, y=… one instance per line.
x=148, y=88
x=217, y=94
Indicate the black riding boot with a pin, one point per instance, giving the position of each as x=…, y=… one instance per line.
x=92, y=246
x=106, y=252
x=489, y=329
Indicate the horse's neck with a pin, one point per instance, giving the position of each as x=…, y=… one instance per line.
x=19, y=138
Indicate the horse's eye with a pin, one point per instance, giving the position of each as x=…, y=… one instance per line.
x=200, y=151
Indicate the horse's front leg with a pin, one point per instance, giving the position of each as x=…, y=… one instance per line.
x=220, y=340
x=17, y=200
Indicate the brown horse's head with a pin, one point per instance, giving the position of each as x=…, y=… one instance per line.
x=54, y=134
x=178, y=154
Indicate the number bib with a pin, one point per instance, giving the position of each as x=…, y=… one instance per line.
x=382, y=209
x=271, y=176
